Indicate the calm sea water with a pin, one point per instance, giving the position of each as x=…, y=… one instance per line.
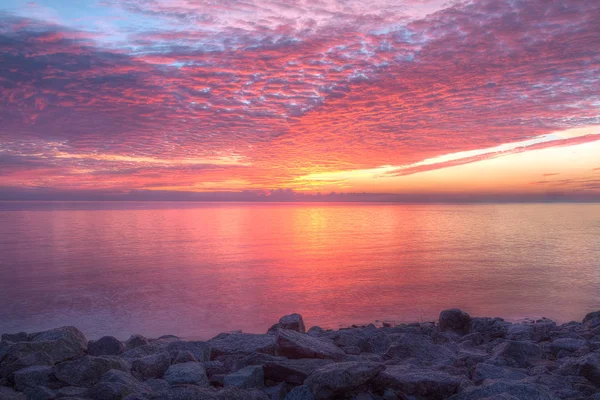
x=197, y=269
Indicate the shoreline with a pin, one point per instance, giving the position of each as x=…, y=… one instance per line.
x=458, y=357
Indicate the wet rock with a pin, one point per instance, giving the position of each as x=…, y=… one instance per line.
x=426, y=384
x=152, y=366
x=517, y=353
x=455, y=320
x=136, y=341
x=340, y=378
x=192, y=373
x=483, y=371
x=300, y=393
x=200, y=350
x=105, y=346
x=87, y=371
x=249, y=377
x=410, y=345
x=293, y=344
x=505, y=390
x=115, y=385
x=241, y=343
x=293, y=371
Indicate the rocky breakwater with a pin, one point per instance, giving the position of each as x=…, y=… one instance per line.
x=459, y=358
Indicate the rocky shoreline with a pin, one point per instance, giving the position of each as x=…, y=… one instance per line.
x=459, y=358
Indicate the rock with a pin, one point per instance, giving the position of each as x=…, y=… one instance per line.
x=315, y=331
x=587, y=366
x=27, y=360
x=39, y=393
x=293, y=322
x=105, y=346
x=191, y=392
x=233, y=393
x=490, y=328
x=300, y=393
x=566, y=344
x=246, y=378
x=378, y=343
x=160, y=387
x=340, y=378
x=411, y=345
x=57, y=350
x=255, y=359
x=537, y=330
x=70, y=391
x=520, y=354
x=152, y=366
x=505, y=390
x=455, y=320
x=183, y=356
x=87, y=371
x=36, y=375
x=293, y=344
x=293, y=371
x=586, y=319
x=484, y=371
x=115, y=385
x=7, y=393
x=16, y=337
x=241, y=343
x=417, y=382
x=73, y=339
x=200, y=350
x=136, y=341
x=192, y=373
x=277, y=392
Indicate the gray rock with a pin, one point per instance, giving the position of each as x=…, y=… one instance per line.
x=587, y=366
x=412, y=381
x=105, y=346
x=87, y=371
x=293, y=371
x=72, y=339
x=192, y=373
x=340, y=378
x=115, y=385
x=300, y=393
x=27, y=360
x=241, y=343
x=233, y=393
x=277, y=392
x=39, y=393
x=191, y=392
x=152, y=366
x=378, y=343
x=255, y=359
x=16, y=337
x=36, y=375
x=505, y=390
x=136, y=341
x=537, y=330
x=183, y=356
x=160, y=387
x=153, y=347
x=455, y=320
x=410, y=345
x=484, y=371
x=7, y=393
x=566, y=344
x=246, y=378
x=586, y=319
x=293, y=344
x=70, y=391
x=293, y=322
x=200, y=350
x=490, y=328
x=517, y=353
x=315, y=331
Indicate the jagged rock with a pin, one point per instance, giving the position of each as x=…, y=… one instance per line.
x=87, y=371
x=293, y=371
x=587, y=366
x=277, y=392
x=537, y=330
x=200, y=350
x=241, y=343
x=39, y=393
x=378, y=343
x=490, y=328
x=136, y=341
x=566, y=344
x=520, y=354
x=426, y=384
x=27, y=360
x=340, y=378
x=255, y=359
x=484, y=371
x=411, y=345
x=455, y=320
x=346, y=340
x=505, y=390
x=586, y=319
x=233, y=393
x=300, y=393
x=160, y=387
x=293, y=322
x=249, y=377
x=105, y=346
x=16, y=337
x=115, y=385
x=70, y=391
x=152, y=366
x=293, y=344
x=36, y=375
x=191, y=392
x=187, y=373
x=183, y=356
x=73, y=342
x=7, y=393
x=315, y=331
x=153, y=347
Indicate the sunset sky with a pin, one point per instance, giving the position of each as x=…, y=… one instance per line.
x=407, y=97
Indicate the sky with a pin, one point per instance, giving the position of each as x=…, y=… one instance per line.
x=244, y=99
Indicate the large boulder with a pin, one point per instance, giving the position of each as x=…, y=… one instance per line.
x=16, y=337
x=87, y=371
x=589, y=317
x=341, y=378
x=505, y=390
x=152, y=366
x=105, y=346
x=490, y=328
x=426, y=384
x=455, y=320
x=72, y=338
x=8, y=393
x=251, y=376
x=136, y=341
x=294, y=344
x=483, y=372
x=587, y=366
x=26, y=360
x=536, y=330
x=200, y=350
x=192, y=373
x=517, y=353
x=37, y=375
x=293, y=371
x=568, y=345
x=411, y=345
x=116, y=385
x=378, y=343
x=293, y=322
x=241, y=343
x=300, y=393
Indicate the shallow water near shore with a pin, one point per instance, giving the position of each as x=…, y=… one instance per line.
x=197, y=269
